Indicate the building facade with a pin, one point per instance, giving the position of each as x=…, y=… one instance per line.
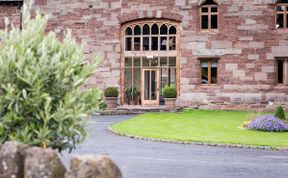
x=219, y=54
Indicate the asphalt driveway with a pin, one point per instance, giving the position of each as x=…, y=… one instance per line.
x=146, y=159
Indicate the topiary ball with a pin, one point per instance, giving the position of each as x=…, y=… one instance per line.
x=111, y=92
x=268, y=123
x=170, y=92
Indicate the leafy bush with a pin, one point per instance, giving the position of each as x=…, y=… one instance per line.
x=111, y=92
x=280, y=113
x=268, y=123
x=170, y=92
x=131, y=91
x=41, y=103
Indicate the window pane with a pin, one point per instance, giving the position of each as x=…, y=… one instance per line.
x=137, y=30
x=214, y=66
x=154, y=62
x=280, y=21
x=172, y=30
x=280, y=8
x=145, y=62
x=128, y=44
x=154, y=43
x=128, y=31
x=128, y=81
x=136, y=43
x=163, y=43
x=172, y=61
x=128, y=62
x=163, y=61
x=280, y=71
x=155, y=29
x=204, y=9
x=172, y=43
x=163, y=30
x=204, y=21
x=147, y=86
x=146, y=43
x=137, y=83
x=214, y=22
x=204, y=69
x=214, y=9
x=146, y=29
x=153, y=85
x=137, y=62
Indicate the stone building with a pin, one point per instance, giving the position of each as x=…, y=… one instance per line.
x=220, y=54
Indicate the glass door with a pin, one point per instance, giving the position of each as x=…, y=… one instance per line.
x=150, y=87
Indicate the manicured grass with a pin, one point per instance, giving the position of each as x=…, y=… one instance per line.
x=200, y=126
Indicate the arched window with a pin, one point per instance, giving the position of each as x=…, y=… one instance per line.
x=209, y=15
x=150, y=37
x=281, y=11
x=150, y=60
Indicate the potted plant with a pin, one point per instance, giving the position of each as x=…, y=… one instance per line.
x=170, y=94
x=111, y=96
x=132, y=94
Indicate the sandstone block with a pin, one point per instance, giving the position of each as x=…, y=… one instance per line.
x=260, y=76
x=41, y=162
x=231, y=66
x=221, y=44
x=268, y=69
x=93, y=167
x=12, y=156
x=253, y=56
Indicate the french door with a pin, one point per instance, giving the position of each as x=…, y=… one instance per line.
x=150, y=87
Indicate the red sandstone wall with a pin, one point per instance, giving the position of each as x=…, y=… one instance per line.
x=246, y=43
x=12, y=13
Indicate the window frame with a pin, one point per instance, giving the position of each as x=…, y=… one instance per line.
x=285, y=13
x=209, y=61
x=209, y=14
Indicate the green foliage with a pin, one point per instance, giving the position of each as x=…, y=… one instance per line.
x=170, y=92
x=131, y=91
x=41, y=103
x=111, y=92
x=280, y=113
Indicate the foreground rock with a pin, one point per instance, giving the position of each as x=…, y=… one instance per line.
x=41, y=162
x=12, y=156
x=93, y=167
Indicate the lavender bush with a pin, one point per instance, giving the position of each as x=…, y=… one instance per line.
x=268, y=123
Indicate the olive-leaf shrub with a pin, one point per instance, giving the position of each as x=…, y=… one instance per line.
x=41, y=101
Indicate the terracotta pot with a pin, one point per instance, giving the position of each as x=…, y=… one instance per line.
x=170, y=102
x=111, y=102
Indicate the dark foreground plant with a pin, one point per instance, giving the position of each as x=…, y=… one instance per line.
x=41, y=103
x=268, y=123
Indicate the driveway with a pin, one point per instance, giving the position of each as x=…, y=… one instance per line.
x=146, y=159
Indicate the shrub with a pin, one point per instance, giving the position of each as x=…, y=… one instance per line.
x=280, y=113
x=268, y=123
x=111, y=92
x=169, y=92
x=41, y=103
x=131, y=91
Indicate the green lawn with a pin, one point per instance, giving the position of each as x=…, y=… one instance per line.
x=200, y=126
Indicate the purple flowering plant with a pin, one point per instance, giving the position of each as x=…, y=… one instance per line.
x=268, y=123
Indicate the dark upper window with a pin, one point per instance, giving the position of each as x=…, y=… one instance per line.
x=150, y=37
x=209, y=71
x=281, y=19
x=209, y=15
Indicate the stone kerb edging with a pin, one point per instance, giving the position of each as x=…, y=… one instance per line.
x=200, y=143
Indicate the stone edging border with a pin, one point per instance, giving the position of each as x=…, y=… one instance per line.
x=200, y=143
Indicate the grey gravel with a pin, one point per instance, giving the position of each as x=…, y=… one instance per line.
x=147, y=159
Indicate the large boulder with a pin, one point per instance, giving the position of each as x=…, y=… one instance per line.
x=42, y=162
x=12, y=156
x=93, y=167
